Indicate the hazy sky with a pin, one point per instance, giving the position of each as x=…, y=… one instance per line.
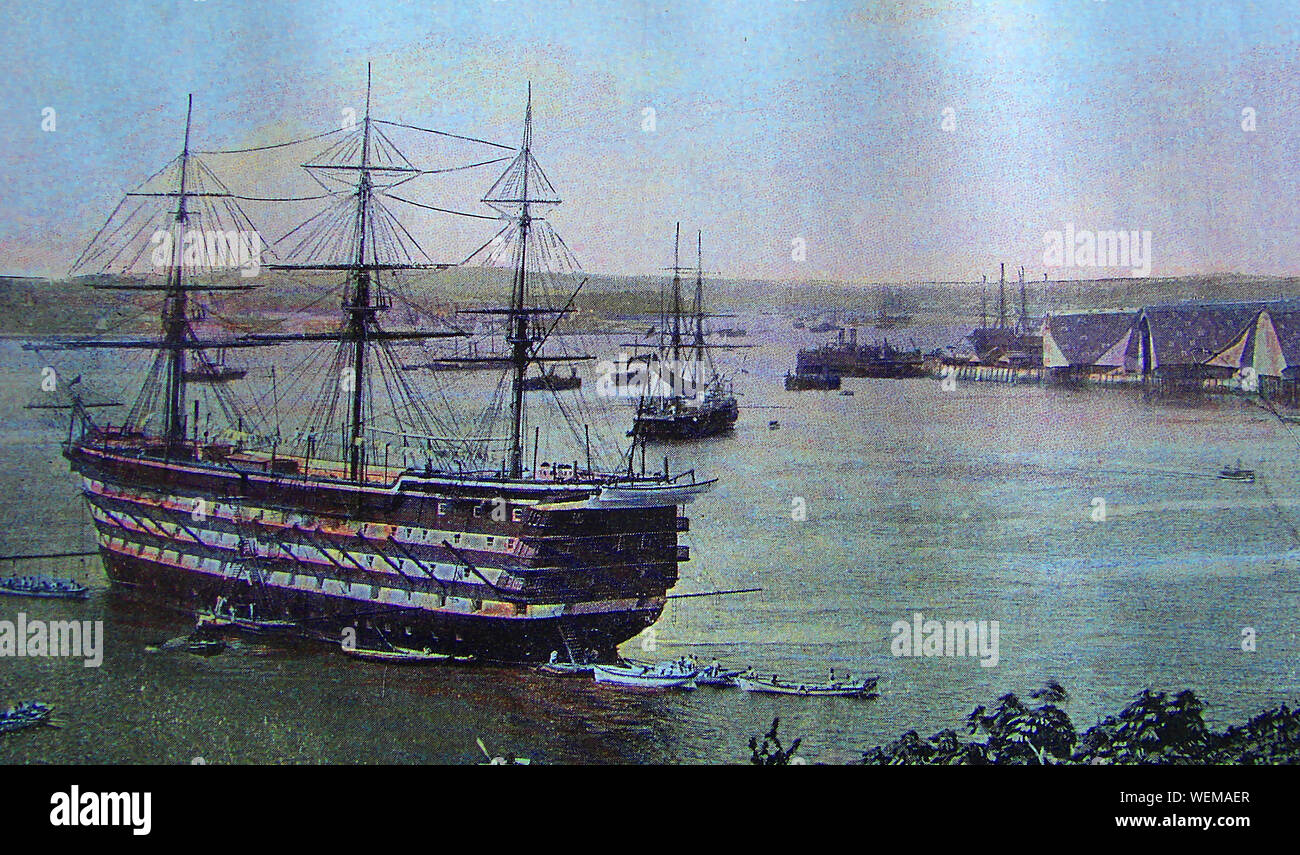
x=774, y=120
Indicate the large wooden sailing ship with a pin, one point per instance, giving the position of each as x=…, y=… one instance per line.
x=469, y=551
x=688, y=398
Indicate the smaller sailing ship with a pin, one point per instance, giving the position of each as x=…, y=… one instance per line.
x=689, y=398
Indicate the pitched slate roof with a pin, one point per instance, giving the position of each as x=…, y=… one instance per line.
x=1087, y=338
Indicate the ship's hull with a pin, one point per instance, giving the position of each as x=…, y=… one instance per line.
x=695, y=424
x=504, y=572
x=861, y=362
x=812, y=382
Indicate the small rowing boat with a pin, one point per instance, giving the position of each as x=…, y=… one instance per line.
x=401, y=655
x=200, y=646
x=229, y=616
x=571, y=667
x=774, y=686
x=208, y=620
x=43, y=586
x=26, y=714
x=645, y=676
x=716, y=675
x=1236, y=473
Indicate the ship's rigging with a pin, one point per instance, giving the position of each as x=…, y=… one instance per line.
x=356, y=234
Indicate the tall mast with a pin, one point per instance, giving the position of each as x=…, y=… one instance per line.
x=677, y=296
x=174, y=308
x=1002, y=297
x=517, y=318
x=1024, y=303
x=360, y=311
x=699, y=301
x=984, y=302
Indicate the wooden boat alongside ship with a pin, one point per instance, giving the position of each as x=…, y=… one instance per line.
x=227, y=619
x=396, y=655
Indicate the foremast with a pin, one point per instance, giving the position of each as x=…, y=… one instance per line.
x=174, y=320
x=520, y=337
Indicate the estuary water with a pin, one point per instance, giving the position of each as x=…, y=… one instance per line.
x=977, y=503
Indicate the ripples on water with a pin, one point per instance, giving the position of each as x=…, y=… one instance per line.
x=974, y=504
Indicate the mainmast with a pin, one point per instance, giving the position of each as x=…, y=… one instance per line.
x=699, y=301
x=174, y=322
x=361, y=314
x=676, y=340
x=520, y=340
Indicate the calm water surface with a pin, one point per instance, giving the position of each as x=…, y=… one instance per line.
x=969, y=504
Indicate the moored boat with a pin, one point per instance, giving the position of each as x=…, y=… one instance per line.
x=401, y=655
x=205, y=646
x=646, y=676
x=25, y=714
x=715, y=675
x=43, y=586
x=226, y=616
x=824, y=380
x=775, y=686
x=1236, y=473
x=574, y=666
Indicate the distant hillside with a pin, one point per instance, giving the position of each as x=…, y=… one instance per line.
x=43, y=307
